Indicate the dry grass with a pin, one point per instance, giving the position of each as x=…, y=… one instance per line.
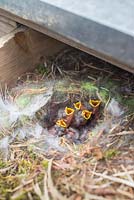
x=99, y=169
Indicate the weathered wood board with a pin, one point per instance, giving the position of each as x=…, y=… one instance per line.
x=104, y=29
x=21, y=50
x=6, y=25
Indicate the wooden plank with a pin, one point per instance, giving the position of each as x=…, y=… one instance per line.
x=92, y=26
x=21, y=50
x=6, y=25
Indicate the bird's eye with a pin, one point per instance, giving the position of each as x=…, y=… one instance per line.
x=69, y=111
x=77, y=105
x=94, y=103
x=86, y=114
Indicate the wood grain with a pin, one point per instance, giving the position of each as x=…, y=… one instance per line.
x=6, y=25
x=21, y=51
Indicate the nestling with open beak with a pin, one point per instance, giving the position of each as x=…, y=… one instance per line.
x=81, y=116
x=79, y=106
x=69, y=115
x=94, y=103
x=60, y=127
x=64, y=123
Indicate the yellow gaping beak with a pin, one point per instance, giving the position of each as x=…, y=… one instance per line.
x=61, y=123
x=94, y=103
x=69, y=111
x=77, y=105
x=86, y=114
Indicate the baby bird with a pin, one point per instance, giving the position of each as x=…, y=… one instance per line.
x=82, y=115
x=78, y=105
x=63, y=123
x=94, y=103
x=60, y=127
x=69, y=115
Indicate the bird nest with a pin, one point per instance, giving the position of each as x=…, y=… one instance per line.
x=67, y=132
x=72, y=111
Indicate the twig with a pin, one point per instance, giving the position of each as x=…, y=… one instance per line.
x=23, y=185
x=30, y=91
x=100, y=69
x=123, y=173
x=127, y=174
x=38, y=191
x=125, y=193
x=4, y=170
x=95, y=166
x=93, y=197
x=114, y=179
x=46, y=195
x=54, y=192
x=122, y=133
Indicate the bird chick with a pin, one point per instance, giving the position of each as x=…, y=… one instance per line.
x=62, y=124
x=82, y=115
x=81, y=118
x=94, y=103
x=69, y=115
x=60, y=127
x=79, y=106
x=86, y=114
x=61, y=113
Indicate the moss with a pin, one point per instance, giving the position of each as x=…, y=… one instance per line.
x=88, y=86
x=41, y=69
x=23, y=100
x=66, y=86
x=24, y=166
x=104, y=93
x=110, y=153
x=129, y=102
x=2, y=164
x=45, y=164
x=6, y=185
x=33, y=155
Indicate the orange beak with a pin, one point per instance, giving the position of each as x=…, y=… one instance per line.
x=86, y=114
x=77, y=105
x=61, y=123
x=94, y=103
x=69, y=111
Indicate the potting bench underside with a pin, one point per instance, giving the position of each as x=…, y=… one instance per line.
x=102, y=28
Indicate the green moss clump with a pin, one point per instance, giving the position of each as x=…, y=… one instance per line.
x=2, y=164
x=104, y=93
x=23, y=100
x=88, y=86
x=41, y=69
x=109, y=154
x=24, y=167
x=45, y=163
